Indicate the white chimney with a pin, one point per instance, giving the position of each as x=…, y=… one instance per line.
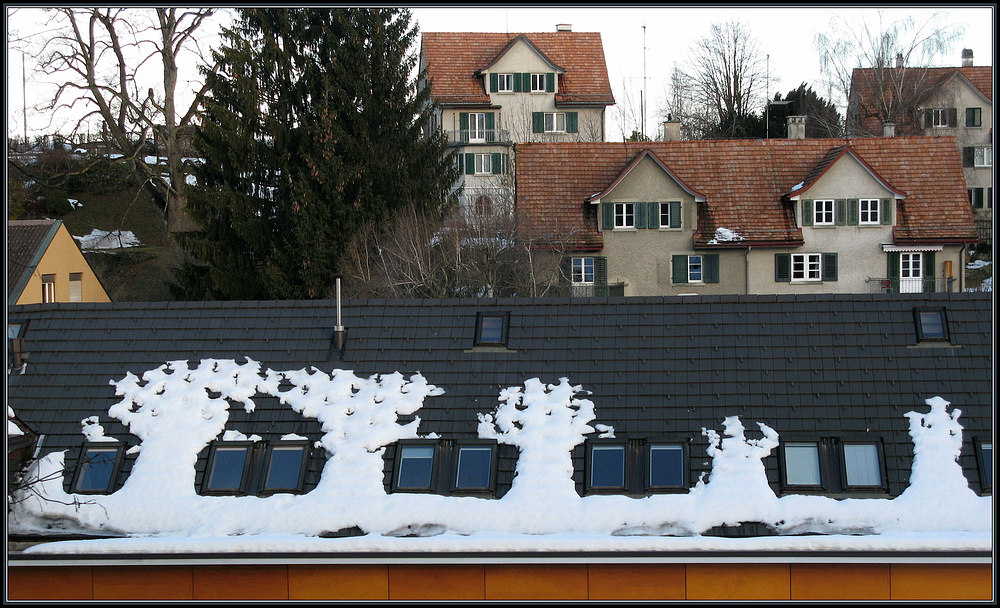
x=796, y=127
x=899, y=60
x=888, y=129
x=564, y=27
x=966, y=58
x=671, y=129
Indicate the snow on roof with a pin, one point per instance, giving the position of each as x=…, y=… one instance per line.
x=177, y=411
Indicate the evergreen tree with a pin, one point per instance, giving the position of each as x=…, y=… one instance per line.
x=313, y=128
x=822, y=118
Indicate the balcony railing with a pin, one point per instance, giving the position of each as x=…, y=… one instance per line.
x=482, y=136
x=921, y=285
x=589, y=291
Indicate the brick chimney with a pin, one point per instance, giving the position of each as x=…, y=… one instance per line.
x=796, y=127
x=966, y=58
x=564, y=27
x=671, y=129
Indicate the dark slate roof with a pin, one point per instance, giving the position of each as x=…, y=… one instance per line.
x=832, y=365
x=26, y=242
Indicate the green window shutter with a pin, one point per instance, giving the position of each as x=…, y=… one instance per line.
x=928, y=119
x=526, y=83
x=550, y=83
x=952, y=117
x=972, y=117
x=490, y=126
x=537, y=122
x=463, y=126
x=680, y=268
x=929, y=270
x=572, y=124
x=609, y=215
x=968, y=156
x=675, y=214
x=600, y=271
x=493, y=82
x=711, y=267
x=470, y=164
x=782, y=267
x=807, y=213
x=885, y=210
x=496, y=161
x=829, y=266
x=640, y=214
x=517, y=83
x=840, y=212
x=853, y=212
x=652, y=215
x=892, y=269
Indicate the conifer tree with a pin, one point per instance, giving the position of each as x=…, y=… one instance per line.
x=313, y=128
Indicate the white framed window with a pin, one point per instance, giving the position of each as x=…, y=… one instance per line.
x=806, y=266
x=583, y=271
x=624, y=215
x=982, y=157
x=555, y=122
x=823, y=213
x=484, y=164
x=48, y=288
x=538, y=83
x=870, y=211
x=505, y=83
x=696, y=272
x=665, y=215
x=76, y=287
x=939, y=117
x=911, y=272
x=477, y=127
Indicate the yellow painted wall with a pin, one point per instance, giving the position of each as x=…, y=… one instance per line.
x=63, y=257
x=724, y=581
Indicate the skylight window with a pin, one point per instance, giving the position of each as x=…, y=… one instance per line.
x=931, y=323
x=861, y=465
x=801, y=460
x=415, y=466
x=97, y=469
x=474, y=467
x=286, y=467
x=491, y=329
x=666, y=466
x=607, y=466
x=228, y=463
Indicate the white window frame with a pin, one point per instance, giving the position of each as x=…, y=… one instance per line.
x=48, y=288
x=483, y=164
x=807, y=267
x=983, y=156
x=477, y=127
x=940, y=118
x=624, y=215
x=505, y=83
x=870, y=212
x=823, y=212
x=696, y=269
x=76, y=287
x=538, y=83
x=555, y=122
x=911, y=272
x=664, y=215
x=583, y=270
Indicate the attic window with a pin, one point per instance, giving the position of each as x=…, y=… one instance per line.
x=286, y=467
x=666, y=465
x=931, y=324
x=607, y=466
x=801, y=464
x=96, y=471
x=474, y=467
x=228, y=465
x=415, y=466
x=48, y=288
x=985, y=453
x=861, y=465
x=491, y=329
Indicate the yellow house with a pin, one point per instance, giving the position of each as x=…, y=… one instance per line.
x=45, y=264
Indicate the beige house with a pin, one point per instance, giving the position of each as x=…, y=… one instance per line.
x=45, y=265
x=492, y=90
x=789, y=216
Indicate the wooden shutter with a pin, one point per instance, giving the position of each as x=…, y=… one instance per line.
x=885, y=210
x=711, y=267
x=968, y=156
x=929, y=262
x=538, y=122
x=470, y=164
x=463, y=126
x=680, y=268
x=853, y=212
x=493, y=82
x=609, y=215
x=496, y=161
x=600, y=271
x=675, y=214
x=892, y=269
x=952, y=117
x=652, y=215
x=550, y=83
x=928, y=119
x=840, y=212
x=829, y=266
x=526, y=80
x=490, y=126
x=807, y=213
x=572, y=123
x=640, y=214
x=782, y=267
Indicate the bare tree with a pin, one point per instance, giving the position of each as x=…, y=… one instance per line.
x=886, y=60
x=99, y=59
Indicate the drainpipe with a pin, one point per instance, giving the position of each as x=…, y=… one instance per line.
x=746, y=271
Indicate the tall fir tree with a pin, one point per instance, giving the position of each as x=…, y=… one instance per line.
x=313, y=128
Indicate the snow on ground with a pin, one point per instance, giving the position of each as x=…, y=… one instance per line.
x=178, y=409
x=102, y=239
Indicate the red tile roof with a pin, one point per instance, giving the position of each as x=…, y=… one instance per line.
x=744, y=183
x=454, y=58
x=918, y=82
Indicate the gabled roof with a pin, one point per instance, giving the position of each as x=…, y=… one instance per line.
x=27, y=241
x=453, y=60
x=744, y=182
x=831, y=159
x=646, y=153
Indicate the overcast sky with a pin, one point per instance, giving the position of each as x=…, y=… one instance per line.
x=643, y=43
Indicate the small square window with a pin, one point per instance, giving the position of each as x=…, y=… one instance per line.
x=973, y=117
x=474, y=467
x=538, y=83
x=607, y=466
x=823, y=213
x=491, y=329
x=932, y=324
x=940, y=117
x=666, y=466
x=285, y=468
x=801, y=460
x=505, y=83
x=415, y=466
x=624, y=215
x=97, y=469
x=869, y=211
x=861, y=465
x=555, y=122
x=583, y=271
x=228, y=464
